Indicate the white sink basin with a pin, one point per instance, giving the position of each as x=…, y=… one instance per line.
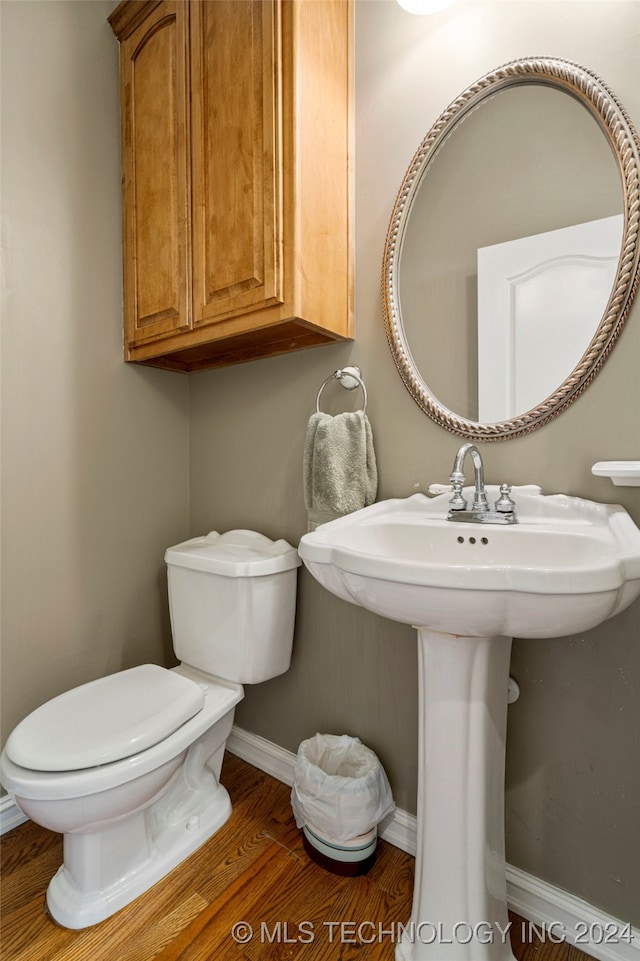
x=568, y=565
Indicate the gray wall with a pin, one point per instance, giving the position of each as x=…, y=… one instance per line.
x=572, y=778
x=95, y=455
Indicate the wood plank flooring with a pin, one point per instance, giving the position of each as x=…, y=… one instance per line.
x=254, y=871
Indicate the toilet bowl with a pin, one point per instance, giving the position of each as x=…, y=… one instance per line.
x=127, y=767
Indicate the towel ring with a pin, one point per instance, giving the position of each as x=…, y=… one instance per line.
x=346, y=374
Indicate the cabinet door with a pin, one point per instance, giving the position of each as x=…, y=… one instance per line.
x=156, y=182
x=236, y=102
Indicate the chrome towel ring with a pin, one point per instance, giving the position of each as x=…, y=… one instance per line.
x=350, y=379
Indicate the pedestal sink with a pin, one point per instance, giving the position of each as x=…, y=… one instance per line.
x=568, y=565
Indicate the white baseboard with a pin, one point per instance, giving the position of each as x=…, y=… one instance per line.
x=10, y=815
x=555, y=914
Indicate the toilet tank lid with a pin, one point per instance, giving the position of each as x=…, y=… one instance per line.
x=105, y=720
x=237, y=553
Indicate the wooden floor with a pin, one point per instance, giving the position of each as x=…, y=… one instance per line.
x=253, y=872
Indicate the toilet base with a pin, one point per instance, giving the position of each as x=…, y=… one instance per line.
x=110, y=863
x=74, y=907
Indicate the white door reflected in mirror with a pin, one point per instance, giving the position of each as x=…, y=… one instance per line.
x=537, y=300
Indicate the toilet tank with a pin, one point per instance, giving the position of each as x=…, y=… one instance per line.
x=232, y=599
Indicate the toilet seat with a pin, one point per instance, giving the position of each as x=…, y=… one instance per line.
x=219, y=698
x=105, y=720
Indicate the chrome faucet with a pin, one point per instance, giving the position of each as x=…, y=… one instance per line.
x=504, y=510
x=480, y=502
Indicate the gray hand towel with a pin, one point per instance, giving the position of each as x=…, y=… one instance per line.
x=340, y=474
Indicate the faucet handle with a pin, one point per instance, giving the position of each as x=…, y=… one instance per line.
x=504, y=504
x=457, y=502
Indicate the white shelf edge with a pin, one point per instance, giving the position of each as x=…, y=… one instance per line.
x=622, y=473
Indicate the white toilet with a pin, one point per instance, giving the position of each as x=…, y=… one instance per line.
x=127, y=767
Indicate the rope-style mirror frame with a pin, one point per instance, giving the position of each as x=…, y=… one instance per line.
x=625, y=144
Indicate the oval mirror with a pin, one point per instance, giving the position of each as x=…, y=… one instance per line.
x=511, y=259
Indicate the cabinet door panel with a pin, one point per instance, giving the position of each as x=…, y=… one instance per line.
x=236, y=137
x=156, y=175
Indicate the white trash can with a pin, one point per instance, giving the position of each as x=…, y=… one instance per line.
x=340, y=794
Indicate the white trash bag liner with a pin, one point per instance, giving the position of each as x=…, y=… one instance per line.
x=340, y=788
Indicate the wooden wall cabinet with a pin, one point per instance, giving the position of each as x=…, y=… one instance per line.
x=237, y=169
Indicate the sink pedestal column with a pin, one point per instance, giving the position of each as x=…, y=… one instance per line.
x=459, y=902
